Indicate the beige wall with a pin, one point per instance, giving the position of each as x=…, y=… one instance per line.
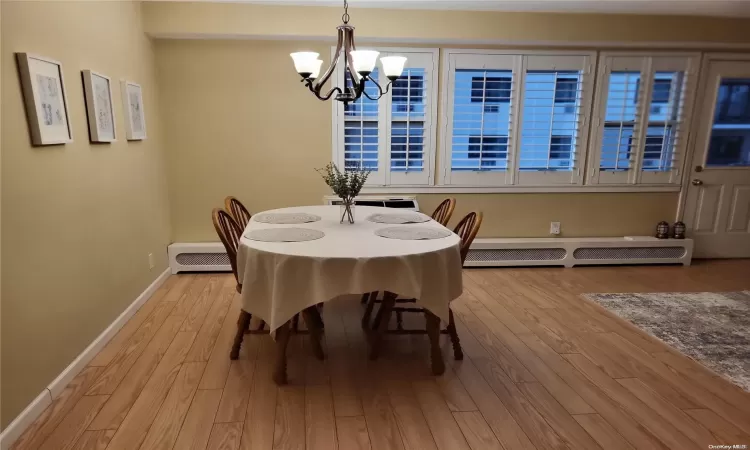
x=234, y=129
x=399, y=25
x=78, y=220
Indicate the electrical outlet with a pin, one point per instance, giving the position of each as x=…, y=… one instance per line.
x=151, y=261
x=554, y=228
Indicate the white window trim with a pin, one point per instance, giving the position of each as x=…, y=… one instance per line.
x=382, y=180
x=648, y=63
x=508, y=181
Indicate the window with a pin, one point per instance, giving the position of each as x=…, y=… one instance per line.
x=566, y=89
x=549, y=126
x=640, y=110
x=515, y=118
x=730, y=132
x=489, y=151
x=407, y=91
x=393, y=136
x=361, y=129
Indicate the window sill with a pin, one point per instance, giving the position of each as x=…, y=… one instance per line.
x=514, y=189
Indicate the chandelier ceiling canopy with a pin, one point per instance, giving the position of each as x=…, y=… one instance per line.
x=359, y=64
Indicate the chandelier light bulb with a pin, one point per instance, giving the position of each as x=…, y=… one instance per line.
x=316, y=69
x=364, y=61
x=305, y=62
x=393, y=66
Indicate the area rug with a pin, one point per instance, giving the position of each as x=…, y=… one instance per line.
x=711, y=327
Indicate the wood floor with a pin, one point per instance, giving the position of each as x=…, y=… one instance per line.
x=544, y=369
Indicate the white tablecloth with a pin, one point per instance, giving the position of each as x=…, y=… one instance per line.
x=280, y=279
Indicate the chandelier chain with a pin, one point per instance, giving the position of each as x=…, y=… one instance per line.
x=345, y=17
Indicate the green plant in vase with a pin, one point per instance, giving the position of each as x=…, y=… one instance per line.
x=346, y=185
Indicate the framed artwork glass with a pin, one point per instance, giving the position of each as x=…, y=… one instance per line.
x=45, y=99
x=101, y=115
x=135, y=118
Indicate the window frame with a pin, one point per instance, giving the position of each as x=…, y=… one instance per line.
x=517, y=62
x=384, y=177
x=647, y=64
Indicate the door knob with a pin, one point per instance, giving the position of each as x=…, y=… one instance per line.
x=697, y=182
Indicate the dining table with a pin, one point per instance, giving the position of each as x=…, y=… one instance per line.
x=292, y=259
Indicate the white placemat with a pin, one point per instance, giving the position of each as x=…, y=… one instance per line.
x=399, y=218
x=285, y=235
x=412, y=233
x=286, y=218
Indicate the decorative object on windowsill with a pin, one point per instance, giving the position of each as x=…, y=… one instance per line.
x=679, y=230
x=359, y=65
x=346, y=185
x=662, y=230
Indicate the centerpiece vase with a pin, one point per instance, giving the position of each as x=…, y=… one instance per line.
x=347, y=210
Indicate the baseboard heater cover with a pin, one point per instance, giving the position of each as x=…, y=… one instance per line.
x=495, y=252
x=569, y=252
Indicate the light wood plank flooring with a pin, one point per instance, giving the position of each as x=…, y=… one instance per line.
x=544, y=369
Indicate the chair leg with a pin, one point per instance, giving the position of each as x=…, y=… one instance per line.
x=365, y=297
x=242, y=323
x=261, y=325
x=295, y=323
x=372, y=296
x=386, y=308
x=433, y=331
x=458, y=354
x=282, y=341
x=314, y=324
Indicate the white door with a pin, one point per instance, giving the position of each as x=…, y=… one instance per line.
x=717, y=208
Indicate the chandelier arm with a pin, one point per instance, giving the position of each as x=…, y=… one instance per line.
x=381, y=92
x=322, y=80
x=348, y=47
x=315, y=90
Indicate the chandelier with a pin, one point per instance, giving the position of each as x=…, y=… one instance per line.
x=359, y=64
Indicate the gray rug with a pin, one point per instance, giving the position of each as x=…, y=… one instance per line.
x=711, y=327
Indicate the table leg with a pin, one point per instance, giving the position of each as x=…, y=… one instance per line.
x=315, y=326
x=386, y=308
x=433, y=332
x=371, y=297
x=282, y=341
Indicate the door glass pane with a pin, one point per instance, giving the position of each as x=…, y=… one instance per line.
x=730, y=133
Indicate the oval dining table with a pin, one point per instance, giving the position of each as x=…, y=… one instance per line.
x=281, y=279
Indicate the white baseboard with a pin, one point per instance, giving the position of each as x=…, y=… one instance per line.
x=14, y=430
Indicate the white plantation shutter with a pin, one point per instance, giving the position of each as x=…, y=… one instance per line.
x=394, y=136
x=481, y=93
x=556, y=93
x=516, y=119
x=641, y=118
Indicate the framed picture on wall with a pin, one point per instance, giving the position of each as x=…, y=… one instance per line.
x=45, y=99
x=135, y=118
x=98, y=92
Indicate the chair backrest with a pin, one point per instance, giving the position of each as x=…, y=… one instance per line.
x=467, y=230
x=229, y=233
x=444, y=211
x=237, y=210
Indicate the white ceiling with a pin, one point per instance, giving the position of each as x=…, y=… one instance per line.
x=729, y=8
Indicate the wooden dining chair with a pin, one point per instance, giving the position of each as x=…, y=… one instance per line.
x=237, y=210
x=467, y=230
x=444, y=211
x=229, y=232
x=441, y=215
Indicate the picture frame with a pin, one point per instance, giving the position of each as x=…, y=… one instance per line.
x=45, y=99
x=135, y=118
x=97, y=90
